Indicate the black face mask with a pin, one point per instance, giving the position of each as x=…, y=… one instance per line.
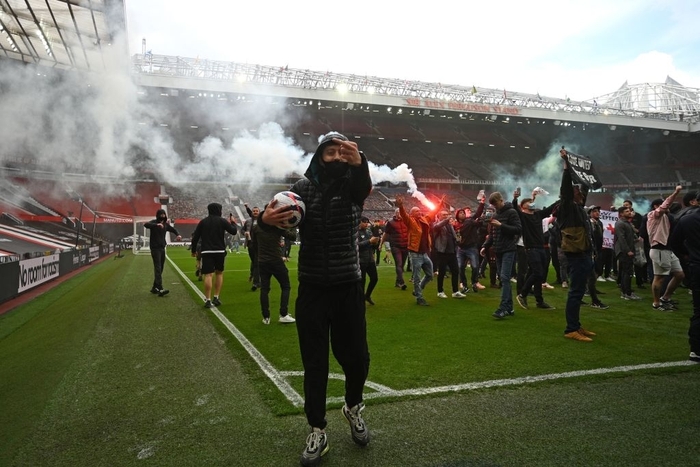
x=336, y=169
x=162, y=218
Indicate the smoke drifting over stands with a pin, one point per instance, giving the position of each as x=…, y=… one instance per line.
x=104, y=126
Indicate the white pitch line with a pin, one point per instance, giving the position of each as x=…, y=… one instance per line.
x=270, y=371
x=385, y=391
x=278, y=377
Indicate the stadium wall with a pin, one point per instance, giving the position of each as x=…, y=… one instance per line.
x=22, y=276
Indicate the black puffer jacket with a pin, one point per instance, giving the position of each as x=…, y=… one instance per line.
x=328, y=254
x=396, y=233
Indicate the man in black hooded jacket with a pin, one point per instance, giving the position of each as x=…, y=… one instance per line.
x=330, y=298
x=210, y=231
x=159, y=227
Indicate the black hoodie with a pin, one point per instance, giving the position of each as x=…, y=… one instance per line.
x=157, y=239
x=211, y=231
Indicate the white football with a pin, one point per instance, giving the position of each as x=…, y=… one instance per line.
x=294, y=203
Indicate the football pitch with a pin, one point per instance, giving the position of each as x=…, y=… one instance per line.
x=100, y=372
x=439, y=336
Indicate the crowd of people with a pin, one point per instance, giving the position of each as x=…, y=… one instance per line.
x=341, y=247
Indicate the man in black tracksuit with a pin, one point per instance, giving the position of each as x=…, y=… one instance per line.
x=331, y=298
x=210, y=231
x=367, y=243
x=159, y=227
x=270, y=261
x=533, y=240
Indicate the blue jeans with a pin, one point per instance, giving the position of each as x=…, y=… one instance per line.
x=472, y=255
x=505, y=263
x=420, y=261
x=580, y=267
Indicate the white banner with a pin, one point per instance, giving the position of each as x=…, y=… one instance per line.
x=35, y=271
x=94, y=253
x=608, y=218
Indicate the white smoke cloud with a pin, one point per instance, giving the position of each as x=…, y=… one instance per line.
x=102, y=124
x=397, y=175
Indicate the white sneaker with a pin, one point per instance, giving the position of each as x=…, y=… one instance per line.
x=513, y=280
x=287, y=319
x=564, y=285
x=266, y=320
x=601, y=279
x=479, y=286
x=442, y=295
x=546, y=285
x=458, y=295
x=610, y=279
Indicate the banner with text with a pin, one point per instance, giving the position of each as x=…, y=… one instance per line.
x=35, y=271
x=582, y=171
x=608, y=218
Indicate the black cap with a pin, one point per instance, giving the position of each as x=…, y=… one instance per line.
x=657, y=202
x=364, y=219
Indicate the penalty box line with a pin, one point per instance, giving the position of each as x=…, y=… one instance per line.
x=384, y=391
x=279, y=378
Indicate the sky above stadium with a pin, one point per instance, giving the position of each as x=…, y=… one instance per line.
x=557, y=48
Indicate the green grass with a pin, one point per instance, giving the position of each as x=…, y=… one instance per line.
x=457, y=341
x=100, y=372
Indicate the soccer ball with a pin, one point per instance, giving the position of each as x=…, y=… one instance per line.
x=294, y=203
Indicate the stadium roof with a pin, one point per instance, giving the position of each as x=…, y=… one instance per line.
x=676, y=108
x=60, y=33
x=669, y=97
x=71, y=34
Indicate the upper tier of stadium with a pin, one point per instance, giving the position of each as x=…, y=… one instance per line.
x=77, y=36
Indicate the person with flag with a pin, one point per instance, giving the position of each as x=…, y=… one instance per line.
x=577, y=242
